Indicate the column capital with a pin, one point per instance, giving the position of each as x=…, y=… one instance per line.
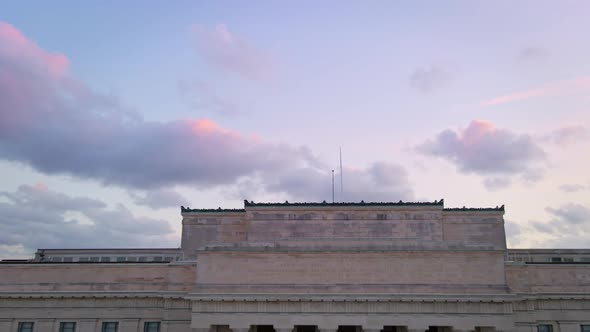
x=372, y=329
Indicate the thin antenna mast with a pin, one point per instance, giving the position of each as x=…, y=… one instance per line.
x=341, y=181
x=332, y=186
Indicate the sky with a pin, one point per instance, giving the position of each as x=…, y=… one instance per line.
x=114, y=114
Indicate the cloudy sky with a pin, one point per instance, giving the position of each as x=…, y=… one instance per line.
x=113, y=114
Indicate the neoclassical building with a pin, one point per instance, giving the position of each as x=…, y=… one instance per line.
x=307, y=267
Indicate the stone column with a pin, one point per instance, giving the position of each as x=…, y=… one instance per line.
x=45, y=325
x=569, y=327
x=240, y=329
x=327, y=328
x=488, y=329
x=6, y=324
x=284, y=329
x=129, y=325
x=86, y=325
x=417, y=328
x=373, y=329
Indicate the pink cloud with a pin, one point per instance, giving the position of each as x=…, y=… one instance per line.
x=40, y=186
x=58, y=125
x=483, y=149
x=13, y=44
x=559, y=88
x=226, y=51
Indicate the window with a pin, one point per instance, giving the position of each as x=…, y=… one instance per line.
x=56, y=259
x=142, y=259
x=67, y=327
x=105, y=259
x=25, y=327
x=168, y=258
x=94, y=259
x=131, y=259
x=568, y=259
x=151, y=327
x=545, y=328
x=120, y=259
x=68, y=259
x=82, y=259
x=157, y=258
x=110, y=326
x=585, y=328
x=555, y=259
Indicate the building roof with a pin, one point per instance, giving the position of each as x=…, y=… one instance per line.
x=252, y=204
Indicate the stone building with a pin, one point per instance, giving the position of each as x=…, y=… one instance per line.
x=307, y=267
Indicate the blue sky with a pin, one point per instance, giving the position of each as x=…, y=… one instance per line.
x=160, y=104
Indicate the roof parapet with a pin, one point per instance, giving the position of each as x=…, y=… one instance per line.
x=339, y=204
x=252, y=204
x=485, y=209
x=218, y=210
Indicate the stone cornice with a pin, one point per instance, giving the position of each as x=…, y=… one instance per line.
x=317, y=297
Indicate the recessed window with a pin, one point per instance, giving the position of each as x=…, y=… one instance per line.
x=545, y=328
x=25, y=327
x=67, y=327
x=110, y=326
x=585, y=328
x=151, y=327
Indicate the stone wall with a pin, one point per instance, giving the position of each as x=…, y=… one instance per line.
x=96, y=277
x=475, y=228
x=423, y=224
x=548, y=278
x=90, y=311
x=404, y=227
x=353, y=272
x=199, y=230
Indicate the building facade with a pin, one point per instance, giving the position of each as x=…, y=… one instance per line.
x=307, y=267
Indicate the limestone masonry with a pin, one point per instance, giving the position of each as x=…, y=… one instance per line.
x=307, y=267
